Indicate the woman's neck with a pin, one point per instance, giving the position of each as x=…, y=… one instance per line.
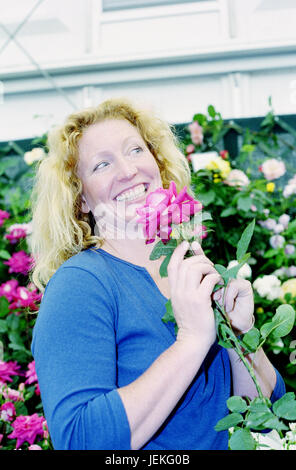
x=133, y=251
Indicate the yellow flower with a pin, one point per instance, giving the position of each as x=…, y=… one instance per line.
x=259, y=310
x=289, y=287
x=221, y=165
x=270, y=187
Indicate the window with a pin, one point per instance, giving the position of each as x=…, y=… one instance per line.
x=111, y=5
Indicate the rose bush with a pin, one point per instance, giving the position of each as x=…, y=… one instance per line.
x=260, y=184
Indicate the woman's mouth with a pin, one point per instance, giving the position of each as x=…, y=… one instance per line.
x=134, y=193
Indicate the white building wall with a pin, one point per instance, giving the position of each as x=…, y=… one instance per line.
x=177, y=59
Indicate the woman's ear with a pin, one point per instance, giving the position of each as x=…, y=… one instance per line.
x=84, y=206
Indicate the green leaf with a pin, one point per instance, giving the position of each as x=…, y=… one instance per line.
x=275, y=423
x=207, y=198
x=5, y=254
x=259, y=405
x=229, y=211
x=161, y=249
x=281, y=324
x=211, y=111
x=4, y=309
x=229, y=421
x=285, y=407
x=242, y=439
x=244, y=241
x=257, y=419
x=3, y=327
x=252, y=339
x=163, y=271
x=221, y=269
x=237, y=404
x=244, y=203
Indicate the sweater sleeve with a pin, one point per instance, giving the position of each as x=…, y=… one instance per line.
x=74, y=347
x=279, y=389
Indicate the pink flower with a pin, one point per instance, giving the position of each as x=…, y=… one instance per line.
x=164, y=207
x=20, y=262
x=15, y=235
x=22, y=297
x=196, y=133
x=32, y=376
x=27, y=429
x=190, y=148
x=3, y=215
x=7, y=411
x=8, y=369
x=273, y=169
x=35, y=447
x=7, y=289
x=11, y=394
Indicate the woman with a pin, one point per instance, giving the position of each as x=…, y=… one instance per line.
x=112, y=375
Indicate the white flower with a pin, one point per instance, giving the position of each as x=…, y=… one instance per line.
x=201, y=160
x=268, y=286
x=290, y=188
x=278, y=228
x=244, y=272
x=271, y=439
x=284, y=220
x=273, y=169
x=237, y=178
x=36, y=154
x=277, y=241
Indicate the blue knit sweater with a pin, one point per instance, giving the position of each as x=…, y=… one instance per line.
x=98, y=329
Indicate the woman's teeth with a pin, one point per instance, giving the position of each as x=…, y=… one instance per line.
x=131, y=194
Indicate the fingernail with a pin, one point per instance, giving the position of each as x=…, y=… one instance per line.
x=185, y=245
x=195, y=245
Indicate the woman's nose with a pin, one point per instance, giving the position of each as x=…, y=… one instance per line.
x=126, y=170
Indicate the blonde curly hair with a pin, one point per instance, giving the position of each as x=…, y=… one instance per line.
x=59, y=228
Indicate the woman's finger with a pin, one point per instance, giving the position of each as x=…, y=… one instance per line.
x=208, y=283
x=195, y=275
x=175, y=262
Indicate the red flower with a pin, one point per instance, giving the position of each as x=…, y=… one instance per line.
x=224, y=154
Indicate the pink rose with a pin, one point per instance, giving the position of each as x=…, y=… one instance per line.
x=273, y=169
x=164, y=207
x=27, y=429
x=8, y=369
x=20, y=262
x=196, y=133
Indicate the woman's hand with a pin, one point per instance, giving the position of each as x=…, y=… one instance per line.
x=238, y=304
x=192, y=281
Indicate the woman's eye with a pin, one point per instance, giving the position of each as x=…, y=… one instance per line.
x=101, y=165
x=136, y=150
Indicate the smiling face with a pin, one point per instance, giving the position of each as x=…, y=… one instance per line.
x=116, y=168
